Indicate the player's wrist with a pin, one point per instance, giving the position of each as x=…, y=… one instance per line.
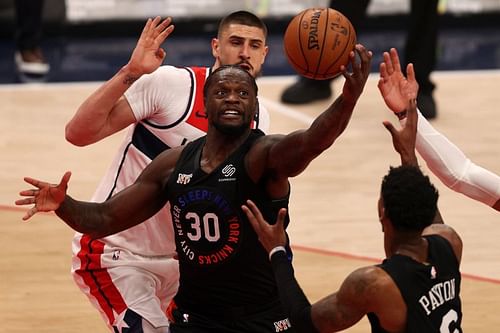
x=276, y=249
x=131, y=75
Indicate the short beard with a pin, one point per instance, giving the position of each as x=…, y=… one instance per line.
x=233, y=131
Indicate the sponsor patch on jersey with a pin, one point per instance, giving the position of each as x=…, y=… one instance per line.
x=227, y=172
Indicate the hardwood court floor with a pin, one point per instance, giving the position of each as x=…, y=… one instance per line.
x=334, y=225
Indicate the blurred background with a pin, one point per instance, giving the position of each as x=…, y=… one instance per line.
x=88, y=40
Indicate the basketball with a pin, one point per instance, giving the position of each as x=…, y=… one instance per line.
x=318, y=41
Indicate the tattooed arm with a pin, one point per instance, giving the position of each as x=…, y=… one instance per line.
x=107, y=111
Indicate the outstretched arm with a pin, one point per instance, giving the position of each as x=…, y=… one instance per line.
x=106, y=111
x=442, y=157
x=126, y=209
x=289, y=155
x=404, y=140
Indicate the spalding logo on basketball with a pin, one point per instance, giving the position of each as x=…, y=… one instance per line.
x=318, y=41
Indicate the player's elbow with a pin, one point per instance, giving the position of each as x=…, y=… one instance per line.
x=72, y=136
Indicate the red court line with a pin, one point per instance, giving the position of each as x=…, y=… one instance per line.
x=377, y=260
x=309, y=249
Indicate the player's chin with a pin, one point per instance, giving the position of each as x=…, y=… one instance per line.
x=250, y=69
x=246, y=67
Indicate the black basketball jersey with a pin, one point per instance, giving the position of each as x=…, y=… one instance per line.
x=223, y=267
x=431, y=291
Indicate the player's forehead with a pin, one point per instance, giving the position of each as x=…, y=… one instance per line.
x=237, y=77
x=244, y=32
x=233, y=76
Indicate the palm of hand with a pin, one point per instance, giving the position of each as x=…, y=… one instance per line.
x=50, y=198
x=397, y=90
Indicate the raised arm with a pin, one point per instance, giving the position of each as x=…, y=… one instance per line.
x=404, y=139
x=289, y=155
x=442, y=157
x=126, y=209
x=404, y=143
x=106, y=111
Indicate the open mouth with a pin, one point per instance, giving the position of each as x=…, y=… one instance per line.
x=233, y=112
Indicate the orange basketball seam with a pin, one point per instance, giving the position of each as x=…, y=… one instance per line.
x=325, y=31
x=300, y=43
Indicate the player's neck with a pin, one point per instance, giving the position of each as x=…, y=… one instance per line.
x=413, y=247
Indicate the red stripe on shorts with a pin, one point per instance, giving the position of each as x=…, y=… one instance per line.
x=98, y=279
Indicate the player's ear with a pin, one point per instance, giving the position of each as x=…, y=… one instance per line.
x=215, y=47
x=266, y=51
x=381, y=212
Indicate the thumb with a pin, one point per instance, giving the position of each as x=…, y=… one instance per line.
x=280, y=220
x=388, y=125
x=160, y=53
x=65, y=180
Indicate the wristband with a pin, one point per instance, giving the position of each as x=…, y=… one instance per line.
x=276, y=249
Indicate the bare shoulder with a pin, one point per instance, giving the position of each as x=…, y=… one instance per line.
x=381, y=296
x=269, y=139
x=448, y=233
x=364, y=286
x=374, y=285
x=263, y=144
x=366, y=290
x=368, y=280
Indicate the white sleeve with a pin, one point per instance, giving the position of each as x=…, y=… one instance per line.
x=453, y=168
x=161, y=96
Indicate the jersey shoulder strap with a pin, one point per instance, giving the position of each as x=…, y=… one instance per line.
x=197, y=115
